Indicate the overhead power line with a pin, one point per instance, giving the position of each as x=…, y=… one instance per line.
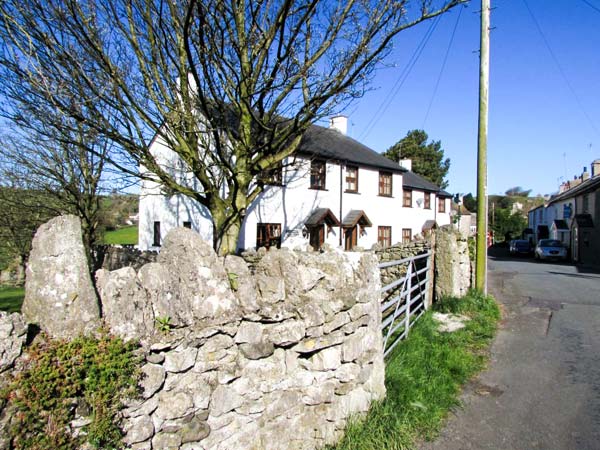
x=594, y=7
x=560, y=69
x=401, y=79
x=437, y=83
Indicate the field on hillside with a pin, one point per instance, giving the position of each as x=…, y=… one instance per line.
x=122, y=236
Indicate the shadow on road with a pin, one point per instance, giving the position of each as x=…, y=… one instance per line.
x=501, y=253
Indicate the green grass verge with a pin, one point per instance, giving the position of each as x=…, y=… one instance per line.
x=424, y=376
x=125, y=235
x=11, y=299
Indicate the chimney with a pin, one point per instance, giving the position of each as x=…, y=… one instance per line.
x=596, y=168
x=406, y=163
x=339, y=123
x=585, y=175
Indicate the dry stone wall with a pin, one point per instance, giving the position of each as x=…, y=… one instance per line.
x=280, y=356
x=452, y=263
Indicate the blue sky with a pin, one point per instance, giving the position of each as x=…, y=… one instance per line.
x=544, y=121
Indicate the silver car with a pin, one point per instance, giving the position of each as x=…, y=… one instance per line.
x=550, y=249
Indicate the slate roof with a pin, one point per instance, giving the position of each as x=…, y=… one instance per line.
x=355, y=216
x=321, y=215
x=330, y=144
x=413, y=181
x=589, y=185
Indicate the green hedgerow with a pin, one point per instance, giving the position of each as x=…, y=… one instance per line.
x=61, y=376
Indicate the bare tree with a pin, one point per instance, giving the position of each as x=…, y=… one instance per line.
x=229, y=86
x=23, y=211
x=57, y=165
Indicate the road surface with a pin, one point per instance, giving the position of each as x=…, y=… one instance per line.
x=542, y=387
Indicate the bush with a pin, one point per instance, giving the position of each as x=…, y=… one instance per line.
x=87, y=375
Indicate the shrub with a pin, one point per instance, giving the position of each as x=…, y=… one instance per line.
x=85, y=374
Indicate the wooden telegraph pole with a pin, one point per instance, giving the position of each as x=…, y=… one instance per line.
x=482, y=219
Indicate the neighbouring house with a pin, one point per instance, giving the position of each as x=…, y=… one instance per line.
x=333, y=191
x=573, y=216
x=463, y=219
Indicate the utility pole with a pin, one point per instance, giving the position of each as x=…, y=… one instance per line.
x=482, y=218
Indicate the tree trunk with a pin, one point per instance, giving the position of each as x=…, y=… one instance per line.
x=226, y=234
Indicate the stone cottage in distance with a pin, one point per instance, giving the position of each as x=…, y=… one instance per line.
x=333, y=191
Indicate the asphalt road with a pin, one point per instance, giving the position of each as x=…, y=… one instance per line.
x=542, y=387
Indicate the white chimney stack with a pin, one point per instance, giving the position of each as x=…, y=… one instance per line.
x=406, y=163
x=596, y=168
x=339, y=123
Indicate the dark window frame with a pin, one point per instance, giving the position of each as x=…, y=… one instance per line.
x=352, y=179
x=441, y=205
x=406, y=235
x=384, y=235
x=268, y=235
x=318, y=174
x=407, y=198
x=273, y=177
x=386, y=189
x=427, y=200
x=156, y=237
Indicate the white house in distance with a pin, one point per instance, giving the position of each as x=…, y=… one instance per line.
x=334, y=191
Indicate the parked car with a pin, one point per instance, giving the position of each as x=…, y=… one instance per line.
x=520, y=247
x=550, y=249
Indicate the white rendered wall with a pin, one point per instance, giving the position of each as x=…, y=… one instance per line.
x=290, y=205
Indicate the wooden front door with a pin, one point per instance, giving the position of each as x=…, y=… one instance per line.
x=317, y=237
x=350, y=237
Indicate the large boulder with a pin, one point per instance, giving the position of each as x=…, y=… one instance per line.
x=201, y=281
x=59, y=294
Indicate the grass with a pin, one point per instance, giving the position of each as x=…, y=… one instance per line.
x=11, y=298
x=424, y=376
x=125, y=235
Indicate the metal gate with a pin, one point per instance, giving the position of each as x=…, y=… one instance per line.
x=404, y=300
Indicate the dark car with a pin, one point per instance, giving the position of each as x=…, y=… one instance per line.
x=520, y=247
x=550, y=249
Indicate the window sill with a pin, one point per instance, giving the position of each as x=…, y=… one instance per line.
x=385, y=195
x=317, y=189
x=351, y=192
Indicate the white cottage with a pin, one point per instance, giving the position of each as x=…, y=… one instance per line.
x=334, y=191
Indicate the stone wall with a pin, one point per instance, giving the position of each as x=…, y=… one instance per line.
x=452, y=263
x=400, y=251
x=114, y=257
x=280, y=356
x=13, y=274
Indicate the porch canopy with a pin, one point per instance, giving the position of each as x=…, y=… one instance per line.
x=320, y=216
x=356, y=216
x=560, y=225
x=429, y=225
